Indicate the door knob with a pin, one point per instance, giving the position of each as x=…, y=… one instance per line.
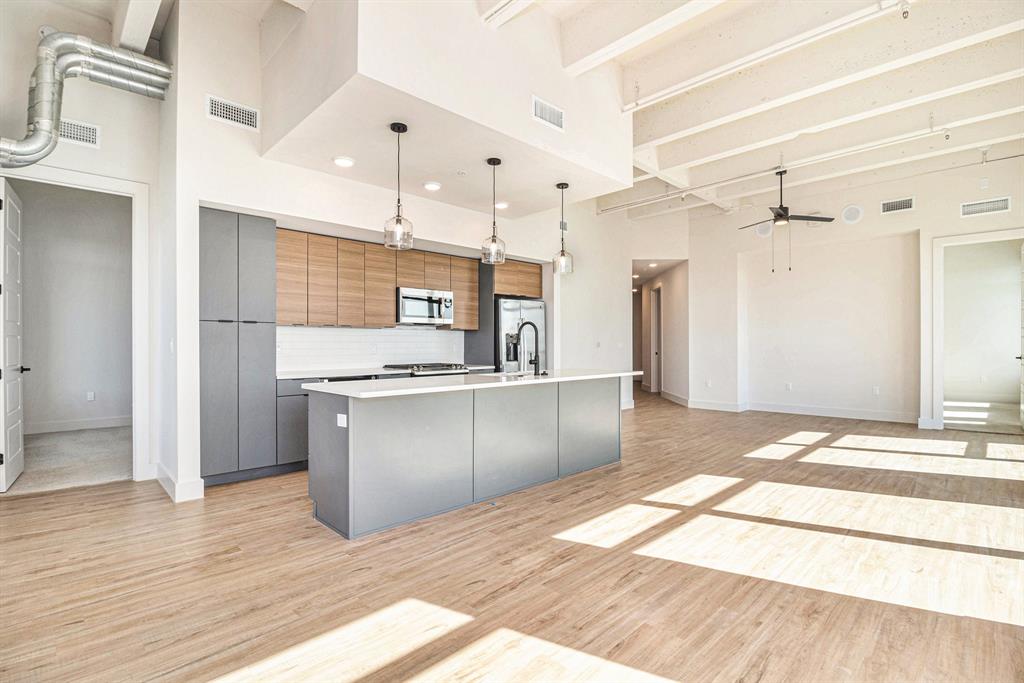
x=24, y=369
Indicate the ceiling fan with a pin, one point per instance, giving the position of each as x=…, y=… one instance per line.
x=781, y=215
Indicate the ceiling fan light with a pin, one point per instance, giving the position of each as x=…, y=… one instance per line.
x=781, y=220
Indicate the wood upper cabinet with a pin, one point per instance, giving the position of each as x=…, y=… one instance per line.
x=380, y=278
x=517, y=278
x=465, y=285
x=292, y=251
x=351, y=284
x=437, y=271
x=411, y=264
x=323, y=280
x=529, y=279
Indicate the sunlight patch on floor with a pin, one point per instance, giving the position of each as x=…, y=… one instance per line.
x=969, y=414
x=1005, y=451
x=946, y=581
x=892, y=443
x=774, y=451
x=912, y=462
x=805, y=438
x=691, y=491
x=612, y=528
x=988, y=526
x=358, y=648
x=507, y=655
x=967, y=404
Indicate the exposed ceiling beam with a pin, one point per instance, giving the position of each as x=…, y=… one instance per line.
x=797, y=194
x=647, y=161
x=964, y=71
x=761, y=31
x=303, y=5
x=858, y=54
x=950, y=115
x=608, y=30
x=495, y=13
x=133, y=23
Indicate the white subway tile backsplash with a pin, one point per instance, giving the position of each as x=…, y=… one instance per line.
x=302, y=348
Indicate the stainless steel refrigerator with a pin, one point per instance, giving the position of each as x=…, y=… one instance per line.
x=508, y=314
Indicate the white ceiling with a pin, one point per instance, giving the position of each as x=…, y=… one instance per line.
x=439, y=146
x=837, y=92
x=647, y=272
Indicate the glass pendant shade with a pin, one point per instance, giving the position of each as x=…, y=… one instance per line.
x=492, y=251
x=398, y=232
x=562, y=262
x=398, y=228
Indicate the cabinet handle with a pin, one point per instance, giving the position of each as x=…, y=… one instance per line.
x=225, y=321
x=250, y=322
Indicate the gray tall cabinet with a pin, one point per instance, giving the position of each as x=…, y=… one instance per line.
x=237, y=353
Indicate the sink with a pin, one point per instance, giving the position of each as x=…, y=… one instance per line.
x=509, y=375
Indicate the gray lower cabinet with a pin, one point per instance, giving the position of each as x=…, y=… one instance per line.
x=257, y=395
x=218, y=397
x=218, y=265
x=588, y=424
x=257, y=269
x=292, y=429
x=515, y=439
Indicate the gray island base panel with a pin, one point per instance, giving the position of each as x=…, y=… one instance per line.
x=376, y=463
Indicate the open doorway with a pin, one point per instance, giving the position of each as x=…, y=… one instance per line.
x=67, y=337
x=661, y=327
x=982, y=332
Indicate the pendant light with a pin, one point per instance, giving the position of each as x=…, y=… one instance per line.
x=563, y=259
x=493, y=249
x=398, y=228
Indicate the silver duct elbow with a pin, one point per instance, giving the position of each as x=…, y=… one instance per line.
x=66, y=55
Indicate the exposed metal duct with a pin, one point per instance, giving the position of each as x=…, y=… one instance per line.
x=66, y=55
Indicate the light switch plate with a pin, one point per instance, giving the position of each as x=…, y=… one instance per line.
x=342, y=420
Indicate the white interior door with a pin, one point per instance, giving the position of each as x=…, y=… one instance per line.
x=1020, y=358
x=11, y=424
x=656, y=340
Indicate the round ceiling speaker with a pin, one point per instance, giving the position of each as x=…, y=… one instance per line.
x=764, y=229
x=852, y=214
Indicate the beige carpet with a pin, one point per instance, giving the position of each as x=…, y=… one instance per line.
x=61, y=460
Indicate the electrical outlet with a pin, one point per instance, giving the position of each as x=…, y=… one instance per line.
x=877, y=391
x=90, y=396
x=789, y=386
x=342, y=420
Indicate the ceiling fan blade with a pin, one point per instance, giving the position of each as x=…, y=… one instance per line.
x=754, y=225
x=814, y=219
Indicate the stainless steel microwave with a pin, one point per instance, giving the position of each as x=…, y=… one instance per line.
x=425, y=307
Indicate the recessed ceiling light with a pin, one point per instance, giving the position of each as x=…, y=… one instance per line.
x=344, y=162
x=652, y=265
x=635, y=276
x=431, y=186
x=635, y=290
x=500, y=205
x=460, y=173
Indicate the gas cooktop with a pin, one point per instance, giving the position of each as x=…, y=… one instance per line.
x=422, y=369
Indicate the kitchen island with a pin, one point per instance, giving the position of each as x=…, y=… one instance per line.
x=386, y=452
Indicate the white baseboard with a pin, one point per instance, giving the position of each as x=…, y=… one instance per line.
x=715, y=405
x=179, y=491
x=826, y=411
x=628, y=405
x=929, y=423
x=645, y=387
x=71, y=425
x=681, y=400
x=144, y=471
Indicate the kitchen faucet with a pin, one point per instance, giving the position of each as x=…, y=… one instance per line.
x=535, y=361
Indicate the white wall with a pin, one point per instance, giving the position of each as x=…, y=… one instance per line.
x=638, y=332
x=841, y=323
x=327, y=348
x=76, y=307
x=675, y=332
x=983, y=321
x=718, y=352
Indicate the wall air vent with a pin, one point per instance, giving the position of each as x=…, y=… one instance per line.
x=1000, y=205
x=79, y=133
x=548, y=114
x=233, y=113
x=894, y=205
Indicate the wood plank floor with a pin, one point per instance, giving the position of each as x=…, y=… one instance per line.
x=707, y=555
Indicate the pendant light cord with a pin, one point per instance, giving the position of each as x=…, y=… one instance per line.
x=494, y=202
x=561, y=224
x=398, y=172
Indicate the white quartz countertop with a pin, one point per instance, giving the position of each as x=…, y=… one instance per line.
x=307, y=373
x=407, y=386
